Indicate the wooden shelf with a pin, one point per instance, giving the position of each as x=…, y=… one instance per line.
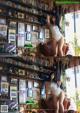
x=26, y=61
x=27, y=68
x=30, y=6
x=1, y=43
x=4, y=99
x=7, y=7
x=3, y=38
x=18, y=11
x=7, y=55
x=62, y=59
x=18, y=76
x=18, y=19
x=29, y=62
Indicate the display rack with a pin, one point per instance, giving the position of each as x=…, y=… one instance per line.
x=47, y=63
x=15, y=8
x=20, y=12
x=30, y=6
x=35, y=67
x=11, y=75
x=10, y=62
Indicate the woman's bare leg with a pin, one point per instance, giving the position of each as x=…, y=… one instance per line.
x=54, y=47
x=60, y=47
x=61, y=99
x=57, y=107
x=56, y=50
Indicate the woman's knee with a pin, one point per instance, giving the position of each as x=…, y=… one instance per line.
x=61, y=97
x=60, y=52
x=61, y=42
x=60, y=104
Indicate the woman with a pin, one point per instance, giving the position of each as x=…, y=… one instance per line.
x=56, y=36
x=59, y=93
x=54, y=102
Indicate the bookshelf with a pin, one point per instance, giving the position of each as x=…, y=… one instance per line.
x=12, y=79
x=27, y=13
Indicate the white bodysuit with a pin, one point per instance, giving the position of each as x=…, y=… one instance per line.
x=56, y=32
x=56, y=89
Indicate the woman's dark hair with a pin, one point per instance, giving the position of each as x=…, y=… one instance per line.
x=57, y=11
x=57, y=20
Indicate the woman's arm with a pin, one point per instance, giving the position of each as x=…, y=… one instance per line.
x=48, y=20
x=49, y=26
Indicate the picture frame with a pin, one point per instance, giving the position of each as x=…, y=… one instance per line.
x=35, y=19
x=13, y=92
x=22, y=84
x=36, y=84
x=21, y=28
x=4, y=87
x=28, y=36
x=12, y=38
x=2, y=21
x=35, y=28
x=12, y=35
x=29, y=28
x=21, y=39
x=4, y=109
x=22, y=91
x=14, y=81
x=41, y=34
x=30, y=84
x=12, y=31
x=29, y=93
x=21, y=15
x=3, y=79
x=21, y=72
x=34, y=36
x=22, y=96
x=47, y=33
x=12, y=24
x=3, y=30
